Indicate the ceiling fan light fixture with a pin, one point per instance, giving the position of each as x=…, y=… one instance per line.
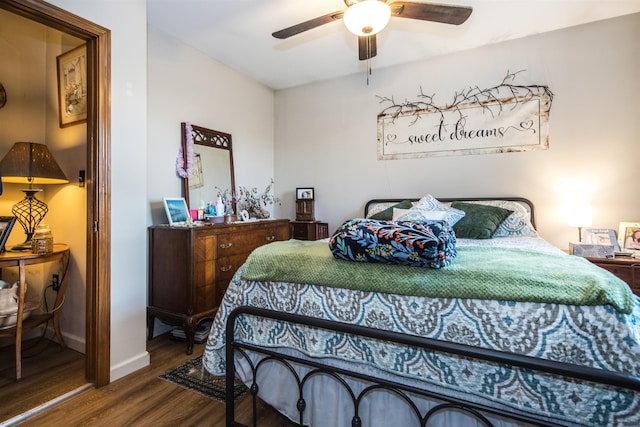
x=367, y=17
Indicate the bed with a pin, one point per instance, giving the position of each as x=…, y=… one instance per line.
x=563, y=348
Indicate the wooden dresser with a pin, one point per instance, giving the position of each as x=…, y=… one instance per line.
x=628, y=269
x=191, y=267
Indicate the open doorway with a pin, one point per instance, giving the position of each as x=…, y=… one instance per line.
x=98, y=229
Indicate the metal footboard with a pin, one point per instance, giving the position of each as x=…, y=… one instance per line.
x=448, y=403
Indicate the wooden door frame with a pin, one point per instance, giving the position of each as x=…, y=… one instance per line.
x=98, y=179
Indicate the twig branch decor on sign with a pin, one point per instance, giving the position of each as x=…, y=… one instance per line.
x=490, y=99
x=505, y=117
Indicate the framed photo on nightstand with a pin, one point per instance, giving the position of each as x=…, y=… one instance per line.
x=600, y=236
x=629, y=236
x=304, y=193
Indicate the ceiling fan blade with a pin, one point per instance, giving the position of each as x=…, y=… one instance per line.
x=307, y=25
x=367, y=47
x=446, y=14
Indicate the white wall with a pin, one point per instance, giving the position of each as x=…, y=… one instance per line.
x=326, y=132
x=187, y=86
x=127, y=22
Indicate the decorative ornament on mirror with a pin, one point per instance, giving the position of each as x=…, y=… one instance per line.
x=184, y=164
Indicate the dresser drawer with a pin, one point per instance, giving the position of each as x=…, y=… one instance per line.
x=237, y=243
x=226, y=266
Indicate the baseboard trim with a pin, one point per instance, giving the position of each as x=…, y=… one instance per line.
x=131, y=365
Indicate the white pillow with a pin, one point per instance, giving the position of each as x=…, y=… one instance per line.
x=397, y=213
x=430, y=208
x=420, y=215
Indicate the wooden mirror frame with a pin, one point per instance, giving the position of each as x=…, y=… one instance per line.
x=213, y=139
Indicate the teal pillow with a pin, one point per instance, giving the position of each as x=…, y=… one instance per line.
x=480, y=221
x=387, y=214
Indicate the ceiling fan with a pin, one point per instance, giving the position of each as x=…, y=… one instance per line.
x=366, y=18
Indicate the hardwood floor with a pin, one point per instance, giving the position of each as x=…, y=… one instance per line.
x=48, y=371
x=143, y=399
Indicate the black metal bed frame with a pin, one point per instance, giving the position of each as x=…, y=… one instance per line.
x=449, y=403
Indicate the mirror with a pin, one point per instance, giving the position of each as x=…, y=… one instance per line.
x=212, y=166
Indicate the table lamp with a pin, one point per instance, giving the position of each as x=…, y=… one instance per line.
x=30, y=163
x=580, y=216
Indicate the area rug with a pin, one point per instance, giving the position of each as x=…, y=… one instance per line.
x=192, y=376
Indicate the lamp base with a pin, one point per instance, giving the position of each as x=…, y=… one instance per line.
x=29, y=212
x=22, y=247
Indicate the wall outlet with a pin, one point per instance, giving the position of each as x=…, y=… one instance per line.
x=55, y=282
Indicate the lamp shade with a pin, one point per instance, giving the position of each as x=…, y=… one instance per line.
x=580, y=216
x=367, y=17
x=31, y=163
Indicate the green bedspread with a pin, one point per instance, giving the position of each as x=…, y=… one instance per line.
x=476, y=273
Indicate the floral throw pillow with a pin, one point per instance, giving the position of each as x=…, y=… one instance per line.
x=418, y=244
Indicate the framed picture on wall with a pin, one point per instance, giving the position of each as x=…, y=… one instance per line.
x=304, y=193
x=72, y=86
x=6, y=225
x=629, y=236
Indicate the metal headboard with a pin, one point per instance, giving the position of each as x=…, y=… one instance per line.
x=526, y=202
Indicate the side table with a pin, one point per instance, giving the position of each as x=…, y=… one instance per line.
x=309, y=230
x=21, y=260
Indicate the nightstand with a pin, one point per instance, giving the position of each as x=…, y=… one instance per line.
x=309, y=230
x=628, y=269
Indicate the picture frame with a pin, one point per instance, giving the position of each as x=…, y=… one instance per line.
x=600, y=236
x=196, y=179
x=629, y=236
x=305, y=193
x=72, y=86
x=177, y=211
x=6, y=225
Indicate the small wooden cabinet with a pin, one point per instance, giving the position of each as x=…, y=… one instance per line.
x=309, y=230
x=191, y=267
x=628, y=269
x=304, y=210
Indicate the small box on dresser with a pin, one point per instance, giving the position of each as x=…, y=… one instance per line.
x=191, y=267
x=591, y=251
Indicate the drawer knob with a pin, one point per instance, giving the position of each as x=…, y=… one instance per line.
x=226, y=267
x=226, y=245
x=270, y=238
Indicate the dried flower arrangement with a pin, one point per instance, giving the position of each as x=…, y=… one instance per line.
x=250, y=200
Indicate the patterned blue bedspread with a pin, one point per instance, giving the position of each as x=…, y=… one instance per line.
x=596, y=336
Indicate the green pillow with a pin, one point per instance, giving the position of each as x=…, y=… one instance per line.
x=480, y=221
x=387, y=214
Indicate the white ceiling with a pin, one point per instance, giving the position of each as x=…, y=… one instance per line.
x=238, y=32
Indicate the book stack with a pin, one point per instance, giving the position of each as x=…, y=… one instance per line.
x=201, y=334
